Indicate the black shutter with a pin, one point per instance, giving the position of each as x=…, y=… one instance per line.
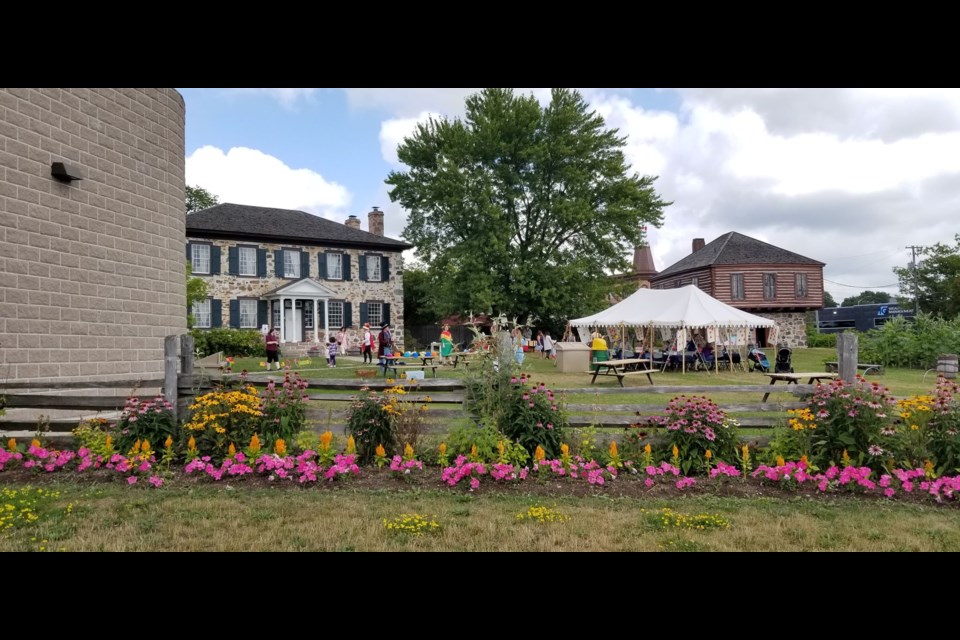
x=189, y=252
x=278, y=262
x=261, y=263
x=386, y=312
x=347, y=314
x=216, y=313
x=363, y=267
x=346, y=267
x=304, y=264
x=322, y=265
x=321, y=319
x=364, y=317
x=235, y=314
x=233, y=261
x=262, y=312
x=384, y=268
x=214, y=260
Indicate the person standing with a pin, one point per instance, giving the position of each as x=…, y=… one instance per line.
x=332, y=348
x=548, y=345
x=446, y=344
x=366, y=344
x=385, y=342
x=518, y=346
x=539, y=346
x=342, y=341
x=272, y=343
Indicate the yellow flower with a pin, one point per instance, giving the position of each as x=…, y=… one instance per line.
x=390, y=380
x=325, y=438
x=647, y=450
x=500, y=448
x=191, y=444
x=564, y=450
x=255, y=444
x=12, y=444
x=928, y=469
x=780, y=461
x=408, y=451
x=914, y=427
x=351, y=445
x=804, y=460
x=708, y=454
x=473, y=450
x=145, y=446
x=846, y=458
x=231, y=450
x=280, y=447
x=539, y=454
x=613, y=450
x=168, y=443
x=443, y=448
x=676, y=452
x=380, y=451
x=36, y=443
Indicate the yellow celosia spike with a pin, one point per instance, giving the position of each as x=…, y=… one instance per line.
x=647, y=449
x=108, y=443
x=231, y=450
x=500, y=447
x=145, y=446
x=613, y=450
x=255, y=443
x=191, y=444
x=408, y=450
x=36, y=443
x=676, y=452
x=564, y=449
x=12, y=444
x=280, y=447
x=473, y=450
x=708, y=454
x=380, y=451
x=539, y=454
x=780, y=461
x=443, y=448
x=351, y=445
x=325, y=438
x=168, y=443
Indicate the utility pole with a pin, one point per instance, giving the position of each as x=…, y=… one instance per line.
x=913, y=272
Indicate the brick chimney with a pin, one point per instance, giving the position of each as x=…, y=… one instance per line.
x=353, y=222
x=698, y=244
x=375, y=221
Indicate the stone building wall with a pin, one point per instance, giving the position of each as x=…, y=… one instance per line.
x=793, y=327
x=225, y=287
x=91, y=270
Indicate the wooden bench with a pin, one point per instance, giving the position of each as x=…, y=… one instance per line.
x=834, y=367
x=794, y=378
x=397, y=368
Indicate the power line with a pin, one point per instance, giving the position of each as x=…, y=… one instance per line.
x=857, y=286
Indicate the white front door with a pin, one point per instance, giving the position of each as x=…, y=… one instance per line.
x=293, y=319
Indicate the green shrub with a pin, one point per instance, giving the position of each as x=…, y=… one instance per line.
x=232, y=342
x=695, y=424
x=371, y=425
x=815, y=339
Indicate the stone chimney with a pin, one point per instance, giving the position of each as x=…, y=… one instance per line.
x=375, y=221
x=643, y=262
x=353, y=222
x=698, y=244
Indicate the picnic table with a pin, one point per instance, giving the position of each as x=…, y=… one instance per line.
x=622, y=368
x=394, y=364
x=466, y=358
x=834, y=367
x=794, y=378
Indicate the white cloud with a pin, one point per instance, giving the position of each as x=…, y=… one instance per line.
x=394, y=130
x=249, y=176
x=286, y=97
x=407, y=103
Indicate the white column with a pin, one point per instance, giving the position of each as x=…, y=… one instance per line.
x=283, y=320
x=326, y=320
x=316, y=321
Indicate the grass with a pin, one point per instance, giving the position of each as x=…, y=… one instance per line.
x=205, y=518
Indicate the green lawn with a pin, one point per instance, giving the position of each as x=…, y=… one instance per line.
x=221, y=518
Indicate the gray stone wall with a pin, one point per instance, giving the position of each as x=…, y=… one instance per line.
x=91, y=271
x=225, y=287
x=793, y=328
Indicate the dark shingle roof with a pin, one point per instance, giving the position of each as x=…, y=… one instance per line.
x=229, y=220
x=735, y=248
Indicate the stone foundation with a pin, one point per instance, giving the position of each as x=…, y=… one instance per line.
x=793, y=328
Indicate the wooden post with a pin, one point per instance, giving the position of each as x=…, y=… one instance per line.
x=186, y=354
x=171, y=353
x=847, y=355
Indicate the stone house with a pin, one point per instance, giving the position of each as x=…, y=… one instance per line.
x=294, y=271
x=754, y=276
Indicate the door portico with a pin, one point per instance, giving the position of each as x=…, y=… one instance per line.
x=297, y=308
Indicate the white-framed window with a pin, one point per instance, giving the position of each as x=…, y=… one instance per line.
x=201, y=314
x=335, y=315
x=374, y=313
x=291, y=264
x=308, y=314
x=276, y=315
x=335, y=266
x=736, y=286
x=200, y=261
x=248, y=261
x=801, y=285
x=770, y=286
x=373, y=269
x=248, y=314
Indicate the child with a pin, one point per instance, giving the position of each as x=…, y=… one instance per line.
x=332, y=347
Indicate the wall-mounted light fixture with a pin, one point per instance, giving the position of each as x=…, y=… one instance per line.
x=64, y=173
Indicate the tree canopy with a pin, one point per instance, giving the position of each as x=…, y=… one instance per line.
x=520, y=208
x=936, y=281
x=199, y=198
x=867, y=297
x=828, y=300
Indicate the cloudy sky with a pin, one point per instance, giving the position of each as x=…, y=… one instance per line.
x=849, y=177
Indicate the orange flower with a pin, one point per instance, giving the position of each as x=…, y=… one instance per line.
x=380, y=451
x=325, y=438
x=255, y=444
x=708, y=454
x=191, y=444
x=12, y=444
x=539, y=454
x=351, y=445
x=443, y=448
x=231, y=450
x=168, y=443
x=280, y=447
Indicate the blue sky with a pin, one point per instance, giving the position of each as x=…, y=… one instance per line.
x=846, y=176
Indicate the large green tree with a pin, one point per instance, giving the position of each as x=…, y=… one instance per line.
x=935, y=281
x=828, y=300
x=418, y=303
x=867, y=297
x=522, y=209
x=199, y=198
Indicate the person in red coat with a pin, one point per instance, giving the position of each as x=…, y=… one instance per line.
x=384, y=341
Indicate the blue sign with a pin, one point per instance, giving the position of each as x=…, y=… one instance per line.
x=882, y=311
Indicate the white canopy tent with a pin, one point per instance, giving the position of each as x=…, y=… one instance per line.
x=682, y=309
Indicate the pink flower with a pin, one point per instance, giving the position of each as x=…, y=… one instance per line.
x=474, y=483
x=132, y=480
